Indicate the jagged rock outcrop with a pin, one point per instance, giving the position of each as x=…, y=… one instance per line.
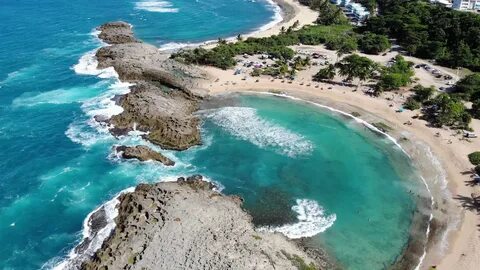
x=165, y=93
x=116, y=33
x=143, y=153
x=187, y=225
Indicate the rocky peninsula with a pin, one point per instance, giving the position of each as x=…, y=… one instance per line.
x=188, y=225
x=164, y=94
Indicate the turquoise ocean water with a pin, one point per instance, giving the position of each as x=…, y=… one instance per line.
x=347, y=186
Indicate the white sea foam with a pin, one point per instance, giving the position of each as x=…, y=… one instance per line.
x=311, y=221
x=58, y=96
x=96, y=239
x=156, y=6
x=356, y=119
x=19, y=74
x=90, y=131
x=245, y=124
x=87, y=65
x=276, y=18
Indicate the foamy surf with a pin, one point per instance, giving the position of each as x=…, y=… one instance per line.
x=93, y=239
x=311, y=221
x=244, y=123
x=156, y=6
x=90, y=131
x=276, y=18
x=87, y=65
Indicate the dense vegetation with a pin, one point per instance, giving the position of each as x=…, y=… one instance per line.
x=421, y=97
x=399, y=74
x=430, y=31
x=447, y=110
x=333, y=29
x=371, y=43
x=468, y=89
x=336, y=37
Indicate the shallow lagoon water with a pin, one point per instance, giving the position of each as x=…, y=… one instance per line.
x=356, y=183
x=57, y=166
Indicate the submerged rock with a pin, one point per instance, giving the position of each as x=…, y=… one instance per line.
x=143, y=153
x=187, y=225
x=165, y=93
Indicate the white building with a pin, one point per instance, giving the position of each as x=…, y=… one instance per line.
x=447, y=3
x=352, y=9
x=358, y=11
x=466, y=4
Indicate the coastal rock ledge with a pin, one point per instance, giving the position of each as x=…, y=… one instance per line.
x=188, y=225
x=143, y=153
x=164, y=95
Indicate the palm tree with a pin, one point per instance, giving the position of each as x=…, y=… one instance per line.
x=327, y=73
x=283, y=67
x=295, y=24
x=307, y=61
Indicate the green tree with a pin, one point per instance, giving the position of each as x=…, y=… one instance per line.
x=469, y=87
x=412, y=104
x=448, y=111
x=355, y=66
x=327, y=73
x=474, y=158
x=373, y=44
x=397, y=75
x=423, y=94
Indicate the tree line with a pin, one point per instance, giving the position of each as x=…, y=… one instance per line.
x=430, y=31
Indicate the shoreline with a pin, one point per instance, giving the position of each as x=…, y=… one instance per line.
x=407, y=258
x=289, y=12
x=449, y=160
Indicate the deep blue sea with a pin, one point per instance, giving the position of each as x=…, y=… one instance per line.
x=303, y=171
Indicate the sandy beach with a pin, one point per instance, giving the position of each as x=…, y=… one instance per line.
x=291, y=11
x=463, y=244
x=452, y=197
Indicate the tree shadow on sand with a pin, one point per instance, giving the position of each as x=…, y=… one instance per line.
x=471, y=203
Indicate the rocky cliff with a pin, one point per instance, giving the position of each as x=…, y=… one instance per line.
x=165, y=92
x=187, y=225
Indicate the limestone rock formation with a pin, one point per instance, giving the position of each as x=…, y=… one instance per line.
x=187, y=225
x=165, y=93
x=143, y=153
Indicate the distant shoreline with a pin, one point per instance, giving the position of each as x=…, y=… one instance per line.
x=291, y=11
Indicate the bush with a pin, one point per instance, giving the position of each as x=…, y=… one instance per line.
x=423, y=94
x=412, y=104
x=474, y=158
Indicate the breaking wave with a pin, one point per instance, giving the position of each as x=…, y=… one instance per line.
x=311, y=221
x=93, y=237
x=156, y=6
x=244, y=123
